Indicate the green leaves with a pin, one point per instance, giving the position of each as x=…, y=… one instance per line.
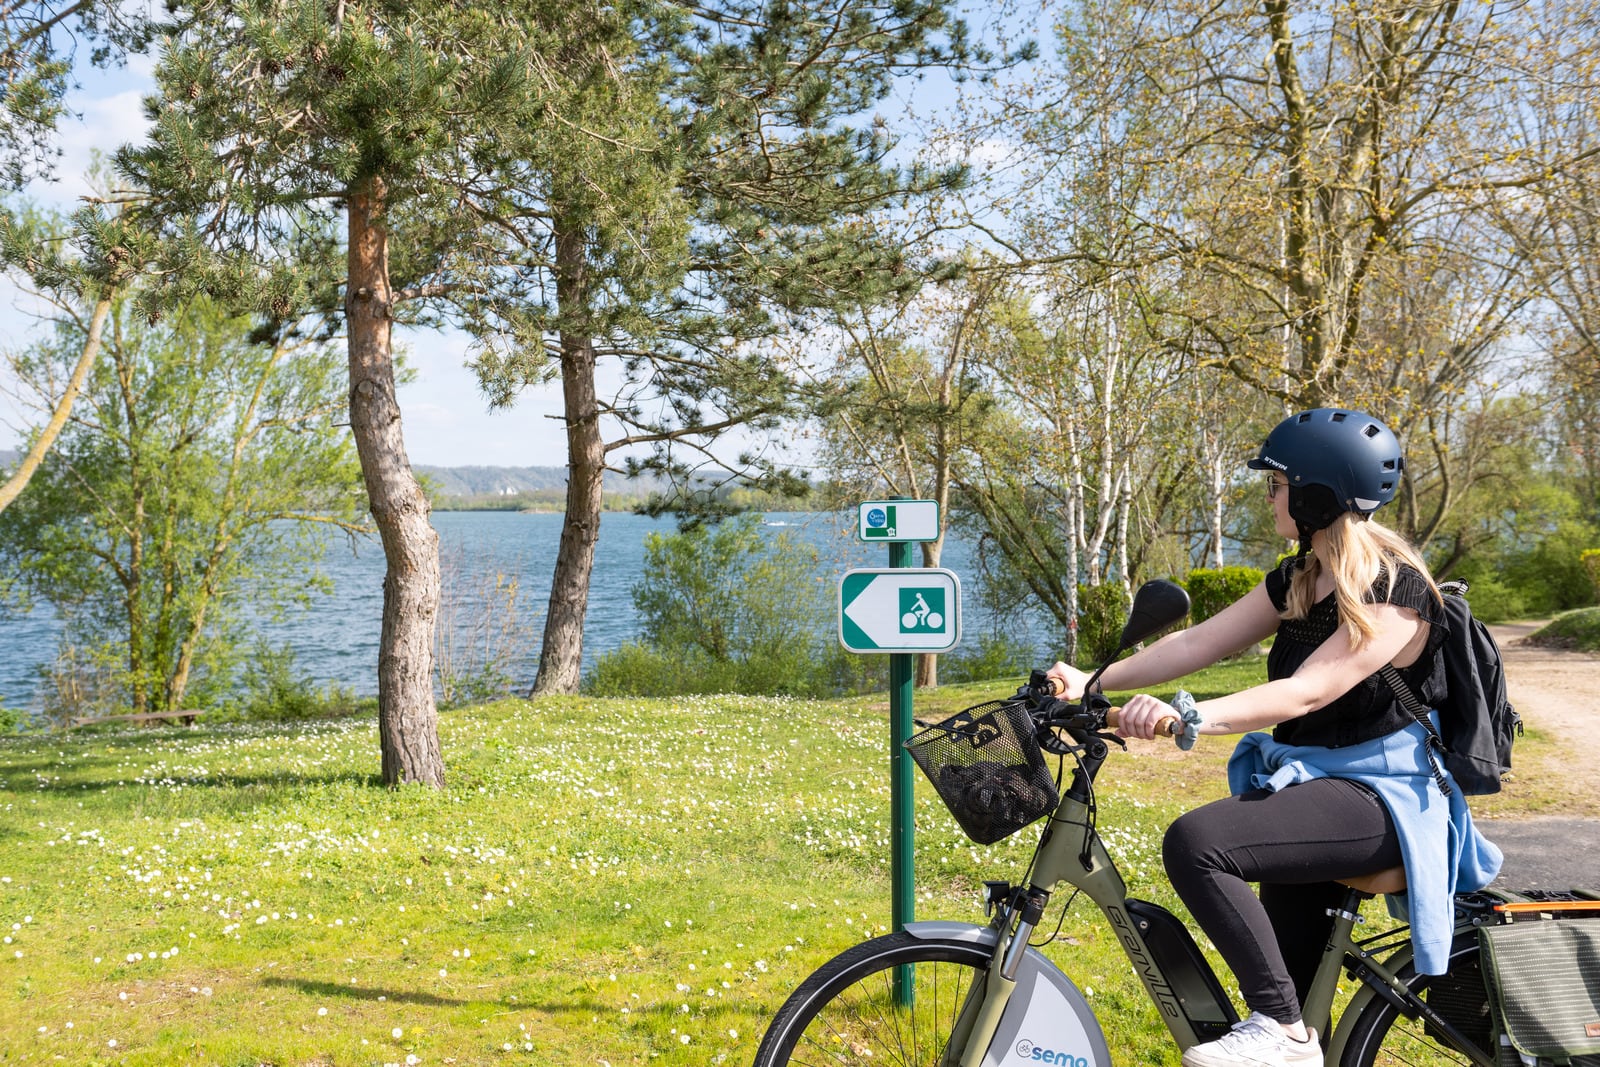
x=727, y=606
x=39, y=43
x=161, y=504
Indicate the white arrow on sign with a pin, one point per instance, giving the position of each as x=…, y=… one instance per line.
x=900, y=609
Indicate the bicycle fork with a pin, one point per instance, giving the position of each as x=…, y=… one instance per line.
x=987, y=1000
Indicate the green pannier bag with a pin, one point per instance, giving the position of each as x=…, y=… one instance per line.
x=1542, y=967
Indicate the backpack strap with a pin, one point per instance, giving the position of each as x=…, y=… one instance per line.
x=1409, y=700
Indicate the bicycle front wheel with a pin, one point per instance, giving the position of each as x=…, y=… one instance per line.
x=1384, y=1037
x=847, y=1012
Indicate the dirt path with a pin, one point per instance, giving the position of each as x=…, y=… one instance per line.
x=1558, y=693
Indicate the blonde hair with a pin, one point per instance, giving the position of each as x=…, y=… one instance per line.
x=1356, y=552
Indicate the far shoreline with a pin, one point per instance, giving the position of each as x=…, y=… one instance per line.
x=526, y=509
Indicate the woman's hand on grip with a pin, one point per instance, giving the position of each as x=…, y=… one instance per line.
x=1069, y=681
x=1141, y=716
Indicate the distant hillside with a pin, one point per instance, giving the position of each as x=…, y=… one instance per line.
x=477, y=487
x=508, y=481
x=483, y=481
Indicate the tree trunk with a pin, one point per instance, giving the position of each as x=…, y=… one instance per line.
x=1074, y=539
x=561, y=655
x=1218, y=493
x=408, y=721
x=133, y=589
x=91, y=348
x=134, y=584
x=926, y=675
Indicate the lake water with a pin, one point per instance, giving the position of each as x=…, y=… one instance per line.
x=337, y=640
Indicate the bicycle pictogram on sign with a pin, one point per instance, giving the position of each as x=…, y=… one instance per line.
x=921, y=610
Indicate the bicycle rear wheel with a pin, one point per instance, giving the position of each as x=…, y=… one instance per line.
x=1384, y=1037
x=845, y=1013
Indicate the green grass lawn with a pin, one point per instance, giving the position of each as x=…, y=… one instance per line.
x=603, y=882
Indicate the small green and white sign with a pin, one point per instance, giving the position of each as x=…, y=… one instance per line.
x=898, y=520
x=900, y=609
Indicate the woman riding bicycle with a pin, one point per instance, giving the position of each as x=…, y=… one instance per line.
x=1345, y=786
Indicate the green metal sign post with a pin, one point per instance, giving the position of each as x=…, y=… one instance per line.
x=900, y=611
x=902, y=853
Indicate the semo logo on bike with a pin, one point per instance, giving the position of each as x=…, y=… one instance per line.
x=1057, y=1058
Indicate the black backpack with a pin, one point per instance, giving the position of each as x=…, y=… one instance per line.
x=1477, y=724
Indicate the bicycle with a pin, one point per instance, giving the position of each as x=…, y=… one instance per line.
x=954, y=994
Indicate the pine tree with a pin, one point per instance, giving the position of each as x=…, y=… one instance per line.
x=42, y=44
x=661, y=185
x=287, y=132
x=711, y=186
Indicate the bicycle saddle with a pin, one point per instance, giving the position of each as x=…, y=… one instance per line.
x=1392, y=880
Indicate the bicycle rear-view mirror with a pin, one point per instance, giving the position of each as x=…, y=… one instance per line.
x=1156, y=606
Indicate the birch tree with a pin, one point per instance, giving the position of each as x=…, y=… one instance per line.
x=1321, y=183
x=40, y=42
x=906, y=400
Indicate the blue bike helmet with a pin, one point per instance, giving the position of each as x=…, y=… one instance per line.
x=1335, y=461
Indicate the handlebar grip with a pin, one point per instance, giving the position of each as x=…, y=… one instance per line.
x=1169, y=726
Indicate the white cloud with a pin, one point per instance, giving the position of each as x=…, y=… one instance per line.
x=108, y=112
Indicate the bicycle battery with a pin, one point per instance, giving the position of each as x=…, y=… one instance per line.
x=1192, y=987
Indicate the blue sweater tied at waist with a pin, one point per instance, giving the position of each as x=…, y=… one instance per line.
x=1443, y=852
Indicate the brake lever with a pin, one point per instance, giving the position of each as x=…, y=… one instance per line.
x=1062, y=716
x=1096, y=707
x=1121, y=742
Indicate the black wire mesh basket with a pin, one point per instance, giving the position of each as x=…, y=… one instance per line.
x=986, y=765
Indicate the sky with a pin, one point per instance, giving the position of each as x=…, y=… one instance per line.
x=446, y=420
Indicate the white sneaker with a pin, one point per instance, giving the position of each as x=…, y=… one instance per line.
x=1257, y=1042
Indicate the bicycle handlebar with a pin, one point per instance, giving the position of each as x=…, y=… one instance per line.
x=1091, y=715
x=1110, y=717
x=1167, y=726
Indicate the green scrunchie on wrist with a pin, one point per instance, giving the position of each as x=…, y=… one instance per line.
x=1183, y=704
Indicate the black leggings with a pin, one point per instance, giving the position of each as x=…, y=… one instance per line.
x=1294, y=842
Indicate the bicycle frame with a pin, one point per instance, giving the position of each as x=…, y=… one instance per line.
x=1179, y=981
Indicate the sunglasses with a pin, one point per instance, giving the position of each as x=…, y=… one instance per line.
x=1273, y=485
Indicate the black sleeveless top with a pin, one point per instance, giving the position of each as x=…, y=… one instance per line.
x=1369, y=709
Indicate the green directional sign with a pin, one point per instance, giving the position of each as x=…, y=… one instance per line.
x=900, y=610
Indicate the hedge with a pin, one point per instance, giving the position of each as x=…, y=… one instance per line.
x=1212, y=589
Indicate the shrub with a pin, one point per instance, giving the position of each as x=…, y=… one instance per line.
x=724, y=609
x=12, y=720
x=993, y=656
x=842, y=671
x=274, y=689
x=1575, y=629
x=636, y=669
x=1493, y=600
x=481, y=633
x=1552, y=573
x=84, y=681
x=1102, y=611
x=1212, y=589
